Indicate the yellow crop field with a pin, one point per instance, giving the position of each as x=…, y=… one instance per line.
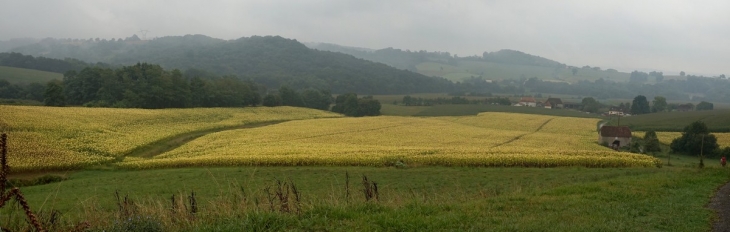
x=43, y=138
x=723, y=139
x=489, y=139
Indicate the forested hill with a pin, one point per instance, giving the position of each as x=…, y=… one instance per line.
x=405, y=59
x=270, y=60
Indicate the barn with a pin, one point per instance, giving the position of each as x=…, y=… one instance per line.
x=615, y=136
x=553, y=103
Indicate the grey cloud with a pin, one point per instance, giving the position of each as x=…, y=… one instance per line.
x=669, y=36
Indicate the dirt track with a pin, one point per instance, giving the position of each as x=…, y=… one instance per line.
x=720, y=203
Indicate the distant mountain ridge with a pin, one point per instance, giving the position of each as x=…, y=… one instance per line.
x=270, y=60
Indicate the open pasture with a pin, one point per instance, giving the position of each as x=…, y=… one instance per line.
x=716, y=120
x=489, y=139
x=26, y=76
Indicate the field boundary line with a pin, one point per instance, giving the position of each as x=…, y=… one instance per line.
x=523, y=135
x=167, y=144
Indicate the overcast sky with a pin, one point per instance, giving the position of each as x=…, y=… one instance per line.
x=666, y=35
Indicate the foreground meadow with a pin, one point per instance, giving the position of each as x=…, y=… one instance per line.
x=489, y=139
x=409, y=199
x=56, y=138
x=361, y=174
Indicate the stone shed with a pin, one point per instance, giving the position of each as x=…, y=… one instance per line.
x=615, y=136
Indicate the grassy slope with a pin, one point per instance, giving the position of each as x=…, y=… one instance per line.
x=716, y=120
x=424, y=198
x=25, y=76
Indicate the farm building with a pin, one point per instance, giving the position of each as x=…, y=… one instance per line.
x=553, y=103
x=527, y=101
x=615, y=136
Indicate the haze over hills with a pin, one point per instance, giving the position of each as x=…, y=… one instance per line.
x=270, y=60
x=275, y=61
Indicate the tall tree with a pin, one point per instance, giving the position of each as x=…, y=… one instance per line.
x=659, y=104
x=590, y=105
x=640, y=105
x=290, y=97
x=651, y=142
x=54, y=94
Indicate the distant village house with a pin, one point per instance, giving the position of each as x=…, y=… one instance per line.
x=615, y=136
x=527, y=101
x=553, y=103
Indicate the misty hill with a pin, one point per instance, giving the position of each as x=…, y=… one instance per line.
x=500, y=65
x=26, y=76
x=7, y=45
x=270, y=60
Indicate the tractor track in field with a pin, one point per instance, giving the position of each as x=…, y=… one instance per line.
x=523, y=135
x=167, y=144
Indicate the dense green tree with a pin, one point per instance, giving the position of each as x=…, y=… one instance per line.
x=640, y=105
x=54, y=94
x=651, y=142
x=271, y=100
x=705, y=106
x=368, y=107
x=317, y=99
x=34, y=91
x=198, y=92
x=290, y=97
x=349, y=105
x=659, y=104
x=695, y=138
x=590, y=105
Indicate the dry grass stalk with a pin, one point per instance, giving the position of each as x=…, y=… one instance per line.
x=14, y=192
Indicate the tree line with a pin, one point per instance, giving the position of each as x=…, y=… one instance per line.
x=151, y=87
x=148, y=86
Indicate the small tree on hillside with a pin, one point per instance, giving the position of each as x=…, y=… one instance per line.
x=696, y=138
x=651, y=142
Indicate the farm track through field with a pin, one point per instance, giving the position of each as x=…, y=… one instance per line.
x=720, y=203
x=167, y=144
x=523, y=135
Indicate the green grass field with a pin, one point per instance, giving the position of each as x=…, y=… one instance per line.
x=716, y=120
x=409, y=197
x=25, y=76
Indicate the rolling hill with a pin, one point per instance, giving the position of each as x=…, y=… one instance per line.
x=499, y=65
x=26, y=76
x=270, y=60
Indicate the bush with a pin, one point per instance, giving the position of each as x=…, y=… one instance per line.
x=695, y=139
x=651, y=142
